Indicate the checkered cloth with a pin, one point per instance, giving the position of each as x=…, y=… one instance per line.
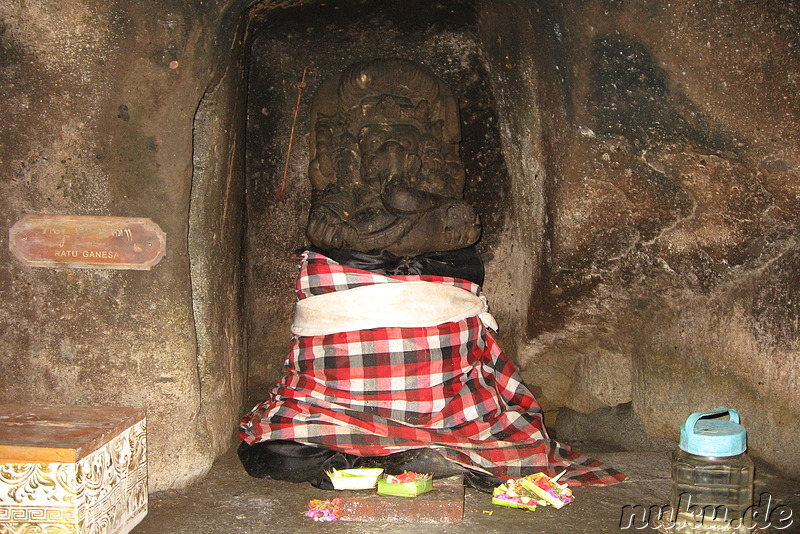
x=447, y=387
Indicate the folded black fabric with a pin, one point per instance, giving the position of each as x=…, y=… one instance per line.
x=464, y=263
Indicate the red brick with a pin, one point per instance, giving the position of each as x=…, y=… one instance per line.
x=444, y=504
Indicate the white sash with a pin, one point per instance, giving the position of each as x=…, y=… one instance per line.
x=400, y=304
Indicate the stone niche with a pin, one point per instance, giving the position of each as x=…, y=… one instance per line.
x=635, y=166
x=323, y=41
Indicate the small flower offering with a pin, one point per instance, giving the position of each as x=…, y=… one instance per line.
x=514, y=495
x=323, y=510
x=548, y=489
x=532, y=490
x=408, y=484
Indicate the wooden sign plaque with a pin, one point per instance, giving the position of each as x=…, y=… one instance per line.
x=88, y=242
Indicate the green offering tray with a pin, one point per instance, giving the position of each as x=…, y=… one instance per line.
x=404, y=489
x=509, y=504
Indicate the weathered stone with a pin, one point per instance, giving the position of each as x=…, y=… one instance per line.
x=673, y=218
x=384, y=164
x=634, y=165
x=443, y=504
x=97, y=123
x=617, y=426
x=601, y=379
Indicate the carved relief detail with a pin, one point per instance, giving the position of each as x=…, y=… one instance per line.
x=104, y=492
x=385, y=167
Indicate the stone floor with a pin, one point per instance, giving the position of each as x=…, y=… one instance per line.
x=228, y=501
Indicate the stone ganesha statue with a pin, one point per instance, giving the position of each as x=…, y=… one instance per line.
x=385, y=168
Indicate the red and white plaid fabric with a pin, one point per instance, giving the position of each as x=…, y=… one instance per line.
x=374, y=392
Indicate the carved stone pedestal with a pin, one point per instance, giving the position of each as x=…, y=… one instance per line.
x=66, y=469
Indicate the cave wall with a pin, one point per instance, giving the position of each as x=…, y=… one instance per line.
x=671, y=278
x=216, y=233
x=635, y=166
x=98, y=102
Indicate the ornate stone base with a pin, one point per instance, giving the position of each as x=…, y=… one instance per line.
x=72, y=469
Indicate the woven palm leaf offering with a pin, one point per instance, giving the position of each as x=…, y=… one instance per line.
x=354, y=479
x=408, y=484
x=532, y=491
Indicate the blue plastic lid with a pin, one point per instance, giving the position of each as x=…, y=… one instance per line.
x=713, y=437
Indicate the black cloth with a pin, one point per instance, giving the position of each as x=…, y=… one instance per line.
x=464, y=263
x=293, y=462
x=290, y=461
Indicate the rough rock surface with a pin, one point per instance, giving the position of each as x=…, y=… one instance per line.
x=674, y=217
x=98, y=102
x=635, y=165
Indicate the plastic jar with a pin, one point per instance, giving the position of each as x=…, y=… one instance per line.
x=712, y=477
